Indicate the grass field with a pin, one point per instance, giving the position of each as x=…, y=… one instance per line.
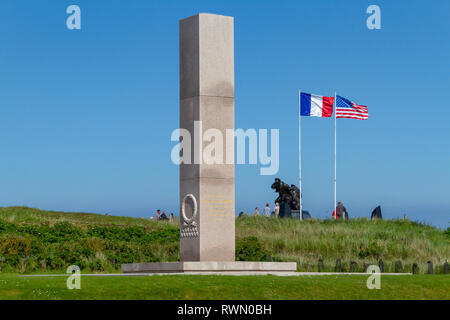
x=178, y=287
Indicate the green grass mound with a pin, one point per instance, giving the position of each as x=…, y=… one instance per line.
x=33, y=240
x=359, y=240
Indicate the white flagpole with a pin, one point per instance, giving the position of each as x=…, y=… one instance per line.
x=334, y=205
x=300, y=154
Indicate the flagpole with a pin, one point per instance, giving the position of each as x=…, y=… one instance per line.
x=300, y=154
x=334, y=205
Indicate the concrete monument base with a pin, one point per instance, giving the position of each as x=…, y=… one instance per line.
x=209, y=266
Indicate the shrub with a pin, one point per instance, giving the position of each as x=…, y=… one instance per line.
x=15, y=245
x=251, y=249
x=6, y=226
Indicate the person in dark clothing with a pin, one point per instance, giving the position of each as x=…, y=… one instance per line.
x=164, y=216
x=341, y=212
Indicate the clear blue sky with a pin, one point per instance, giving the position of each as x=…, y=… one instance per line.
x=86, y=116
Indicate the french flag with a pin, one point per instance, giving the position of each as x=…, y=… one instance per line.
x=312, y=105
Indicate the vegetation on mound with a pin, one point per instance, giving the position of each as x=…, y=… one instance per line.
x=32, y=240
x=359, y=240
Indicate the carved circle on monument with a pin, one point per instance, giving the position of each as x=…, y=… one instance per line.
x=183, y=208
x=189, y=226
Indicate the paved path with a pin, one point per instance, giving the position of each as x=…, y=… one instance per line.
x=229, y=273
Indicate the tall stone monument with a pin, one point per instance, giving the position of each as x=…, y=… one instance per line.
x=207, y=199
x=207, y=97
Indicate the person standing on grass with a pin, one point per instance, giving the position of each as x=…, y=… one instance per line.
x=158, y=214
x=256, y=213
x=164, y=216
x=171, y=218
x=277, y=209
x=267, y=210
x=340, y=211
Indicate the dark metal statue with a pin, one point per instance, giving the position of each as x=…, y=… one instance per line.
x=287, y=194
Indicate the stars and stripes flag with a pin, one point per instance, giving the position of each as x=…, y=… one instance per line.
x=350, y=110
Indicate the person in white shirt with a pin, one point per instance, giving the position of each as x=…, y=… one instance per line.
x=277, y=209
x=267, y=210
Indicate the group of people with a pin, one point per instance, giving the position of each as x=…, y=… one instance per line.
x=339, y=213
x=163, y=216
x=267, y=212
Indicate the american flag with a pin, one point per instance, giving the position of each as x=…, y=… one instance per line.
x=347, y=109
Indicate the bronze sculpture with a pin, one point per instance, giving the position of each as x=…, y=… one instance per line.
x=287, y=194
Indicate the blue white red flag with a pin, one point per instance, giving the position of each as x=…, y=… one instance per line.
x=347, y=109
x=313, y=105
